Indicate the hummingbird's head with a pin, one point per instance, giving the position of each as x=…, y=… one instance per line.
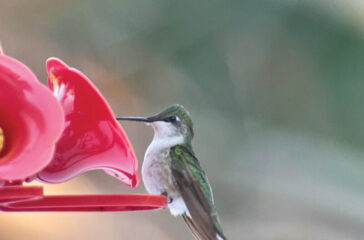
x=174, y=121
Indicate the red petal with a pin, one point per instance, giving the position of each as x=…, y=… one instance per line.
x=31, y=118
x=92, y=138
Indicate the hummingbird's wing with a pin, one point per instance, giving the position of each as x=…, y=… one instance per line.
x=196, y=192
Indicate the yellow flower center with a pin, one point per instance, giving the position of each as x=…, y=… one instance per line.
x=54, y=81
x=2, y=139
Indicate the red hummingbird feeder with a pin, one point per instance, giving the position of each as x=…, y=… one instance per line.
x=55, y=134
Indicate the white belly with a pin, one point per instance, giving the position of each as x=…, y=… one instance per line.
x=157, y=174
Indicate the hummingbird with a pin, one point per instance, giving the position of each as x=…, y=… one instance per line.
x=170, y=168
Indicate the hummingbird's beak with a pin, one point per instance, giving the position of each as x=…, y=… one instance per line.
x=137, y=119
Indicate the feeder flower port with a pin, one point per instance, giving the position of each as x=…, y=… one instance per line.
x=55, y=135
x=91, y=139
x=31, y=121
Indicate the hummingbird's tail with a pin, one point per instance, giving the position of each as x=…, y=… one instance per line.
x=198, y=233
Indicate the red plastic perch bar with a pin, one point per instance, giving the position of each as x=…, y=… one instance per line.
x=31, y=199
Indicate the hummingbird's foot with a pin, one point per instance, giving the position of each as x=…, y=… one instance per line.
x=170, y=200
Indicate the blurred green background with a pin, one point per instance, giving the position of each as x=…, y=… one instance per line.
x=275, y=88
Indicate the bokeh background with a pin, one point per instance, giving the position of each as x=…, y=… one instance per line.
x=275, y=88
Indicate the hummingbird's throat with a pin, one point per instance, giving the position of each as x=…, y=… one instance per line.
x=165, y=130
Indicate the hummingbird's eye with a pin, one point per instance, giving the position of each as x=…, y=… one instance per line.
x=172, y=119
